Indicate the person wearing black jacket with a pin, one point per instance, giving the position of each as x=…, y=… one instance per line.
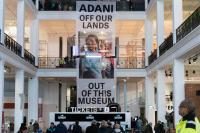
x=93, y=128
x=61, y=128
x=77, y=128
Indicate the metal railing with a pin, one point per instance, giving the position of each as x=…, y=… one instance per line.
x=29, y=57
x=15, y=47
x=12, y=45
x=152, y=57
x=56, y=62
x=188, y=25
x=69, y=5
x=130, y=63
x=124, y=5
x=166, y=45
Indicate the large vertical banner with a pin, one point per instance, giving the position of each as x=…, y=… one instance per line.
x=96, y=43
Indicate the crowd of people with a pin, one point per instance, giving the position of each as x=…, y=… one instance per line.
x=95, y=127
x=189, y=123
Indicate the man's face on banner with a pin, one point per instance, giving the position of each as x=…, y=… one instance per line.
x=91, y=44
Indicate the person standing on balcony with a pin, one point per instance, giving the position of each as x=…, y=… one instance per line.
x=189, y=122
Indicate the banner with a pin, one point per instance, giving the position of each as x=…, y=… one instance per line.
x=95, y=92
x=95, y=28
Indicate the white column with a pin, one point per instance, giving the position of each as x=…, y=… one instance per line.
x=37, y=4
x=19, y=99
x=146, y=4
x=148, y=38
x=33, y=99
x=178, y=87
x=177, y=16
x=161, y=102
x=160, y=24
x=125, y=95
x=21, y=23
x=2, y=10
x=118, y=92
x=1, y=89
x=149, y=100
x=34, y=40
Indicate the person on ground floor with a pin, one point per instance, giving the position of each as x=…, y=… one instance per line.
x=159, y=127
x=51, y=129
x=189, y=123
x=30, y=127
x=93, y=128
x=36, y=128
x=148, y=128
x=61, y=128
x=23, y=129
x=77, y=128
x=103, y=128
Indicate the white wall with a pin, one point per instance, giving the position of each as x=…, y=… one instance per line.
x=53, y=45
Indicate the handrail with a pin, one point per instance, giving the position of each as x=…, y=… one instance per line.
x=12, y=45
x=152, y=57
x=130, y=63
x=166, y=45
x=29, y=57
x=56, y=62
x=188, y=25
x=15, y=47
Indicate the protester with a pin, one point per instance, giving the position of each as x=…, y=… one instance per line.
x=148, y=128
x=159, y=127
x=51, y=129
x=77, y=128
x=139, y=125
x=23, y=129
x=36, y=128
x=103, y=128
x=30, y=127
x=93, y=128
x=61, y=128
x=117, y=129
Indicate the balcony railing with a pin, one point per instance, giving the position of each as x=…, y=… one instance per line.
x=130, y=63
x=56, y=62
x=152, y=57
x=29, y=57
x=166, y=45
x=15, y=47
x=188, y=25
x=12, y=45
x=69, y=5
